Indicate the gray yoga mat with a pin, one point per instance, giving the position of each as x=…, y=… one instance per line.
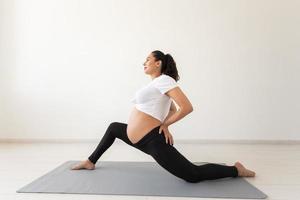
x=137, y=178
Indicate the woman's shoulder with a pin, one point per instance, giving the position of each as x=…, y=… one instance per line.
x=165, y=83
x=166, y=77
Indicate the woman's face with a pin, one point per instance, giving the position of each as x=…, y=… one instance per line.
x=151, y=66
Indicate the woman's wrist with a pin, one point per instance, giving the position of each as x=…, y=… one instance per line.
x=164, y=124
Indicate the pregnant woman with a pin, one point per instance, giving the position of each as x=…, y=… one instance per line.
x=147, y=128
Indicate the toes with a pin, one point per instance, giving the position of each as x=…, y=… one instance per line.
x=82, y=166
x=74, y=168
x=252, y=173
x=78, y=166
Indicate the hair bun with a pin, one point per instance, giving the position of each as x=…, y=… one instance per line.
x=166, y=55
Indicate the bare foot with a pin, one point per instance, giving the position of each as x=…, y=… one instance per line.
x=87, y=164
x=243, y=171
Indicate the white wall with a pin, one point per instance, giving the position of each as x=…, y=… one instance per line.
x=69, y=68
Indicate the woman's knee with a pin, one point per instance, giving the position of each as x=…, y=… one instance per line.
x=192, y=178
x=195, y=177
x=115, y=125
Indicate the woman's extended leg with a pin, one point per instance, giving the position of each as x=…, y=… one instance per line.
x=173, y=161
x=165, y=154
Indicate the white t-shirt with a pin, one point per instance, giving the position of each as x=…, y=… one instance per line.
x=152, y=99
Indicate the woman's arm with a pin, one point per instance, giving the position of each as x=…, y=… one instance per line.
x=172, y=110
x=185, y=106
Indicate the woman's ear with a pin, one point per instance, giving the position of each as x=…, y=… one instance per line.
x=159, y=63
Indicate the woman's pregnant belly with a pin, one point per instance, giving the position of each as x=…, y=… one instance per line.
x=139, y=124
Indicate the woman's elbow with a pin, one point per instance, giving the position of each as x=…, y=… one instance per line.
x=191, y=109
x=187, y=109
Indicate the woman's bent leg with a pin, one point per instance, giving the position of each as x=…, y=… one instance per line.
x=173, y=161
x=114, y=130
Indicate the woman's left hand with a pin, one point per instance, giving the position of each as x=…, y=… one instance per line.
x=167, y=134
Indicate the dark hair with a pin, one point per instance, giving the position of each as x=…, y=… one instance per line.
x=168, y=66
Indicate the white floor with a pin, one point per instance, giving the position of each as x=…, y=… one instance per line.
x=277, y=166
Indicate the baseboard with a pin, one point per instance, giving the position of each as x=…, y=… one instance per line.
x=178, y=141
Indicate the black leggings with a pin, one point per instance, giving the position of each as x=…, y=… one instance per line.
x=166, y=155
